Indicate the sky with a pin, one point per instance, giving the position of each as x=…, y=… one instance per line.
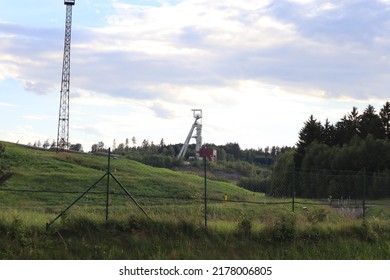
x=257, y=68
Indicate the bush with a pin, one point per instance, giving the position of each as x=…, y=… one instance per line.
x=374, y=229
x=316, y=215
x=284, y=229
x=256, y=184
x=244, y=226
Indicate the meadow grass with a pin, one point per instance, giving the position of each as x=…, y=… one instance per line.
x=81, y=235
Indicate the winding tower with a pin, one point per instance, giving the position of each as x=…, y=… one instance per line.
x=197, y=125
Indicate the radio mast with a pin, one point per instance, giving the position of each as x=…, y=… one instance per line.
x=63, y=120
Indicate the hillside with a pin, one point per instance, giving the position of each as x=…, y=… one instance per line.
x=66, y=175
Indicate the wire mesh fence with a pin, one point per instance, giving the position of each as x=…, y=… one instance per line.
x=348, y=189
x=354, y=192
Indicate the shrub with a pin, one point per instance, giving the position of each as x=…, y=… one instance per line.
x=284, y=228
x=256, y=184
x=373, y=229
x=244, y=226
x=317, y=215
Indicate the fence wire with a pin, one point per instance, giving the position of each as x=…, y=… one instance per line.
x=297, y=188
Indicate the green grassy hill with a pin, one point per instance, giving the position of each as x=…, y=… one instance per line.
x=35, y=168
x=52, y=180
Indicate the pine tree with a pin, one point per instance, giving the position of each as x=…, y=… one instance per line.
x=370, y=123
x=329, y=134
x=311, y=131
x=385, y=119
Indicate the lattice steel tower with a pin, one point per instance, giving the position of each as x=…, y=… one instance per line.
x=63, y=120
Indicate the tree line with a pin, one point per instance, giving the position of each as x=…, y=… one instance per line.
x=164, y=155
x=46, y=144
x=358, y=142
x=365, y=135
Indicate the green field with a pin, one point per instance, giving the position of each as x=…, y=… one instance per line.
x=45, y=182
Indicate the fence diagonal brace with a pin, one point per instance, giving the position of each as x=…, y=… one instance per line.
x=129, y=195
x=75, y=201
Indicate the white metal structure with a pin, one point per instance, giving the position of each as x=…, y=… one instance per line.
x=197, y=113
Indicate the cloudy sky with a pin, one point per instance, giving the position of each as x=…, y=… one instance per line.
x=257, y=68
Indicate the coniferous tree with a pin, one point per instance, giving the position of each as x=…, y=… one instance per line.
x=385, y=118
x=354, y=120
x=370, y=123
x=347, y=127
x=310, y=132
x=127, y=144
x=329, y=134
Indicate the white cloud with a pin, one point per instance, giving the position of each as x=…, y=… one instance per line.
x=161, y=111
x=321, y=8
x=40, y=88
x=142, y=71
x=2, y=104
x=23, y=134
x=302, y=2
x=38, y=117
x=167, y=30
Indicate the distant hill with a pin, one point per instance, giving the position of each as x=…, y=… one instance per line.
x=64, y=175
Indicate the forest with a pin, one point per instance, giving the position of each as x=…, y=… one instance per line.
x=355, y=142
x=353, y=152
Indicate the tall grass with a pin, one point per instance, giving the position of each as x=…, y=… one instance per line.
x=80, y=236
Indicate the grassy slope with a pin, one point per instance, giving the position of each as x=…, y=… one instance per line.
x=36, y=169
x=47, y=170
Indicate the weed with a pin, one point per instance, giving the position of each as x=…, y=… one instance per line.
x=244, y=226
x=374, y=229
x=64, y=218
x=316, y=215
x=284, y=228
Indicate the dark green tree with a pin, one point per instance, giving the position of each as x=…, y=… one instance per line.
x=99, y=147
x=370, y=123
x=385, y=118
x=354, y=120
x=311, y=131
x=347, y=127
x=282, y=175
x=76, y=147
x=233, y=151
x=329, y=134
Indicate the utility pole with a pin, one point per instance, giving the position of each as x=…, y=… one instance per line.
x=63, y=120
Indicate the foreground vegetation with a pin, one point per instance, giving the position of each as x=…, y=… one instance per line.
x=284, y=237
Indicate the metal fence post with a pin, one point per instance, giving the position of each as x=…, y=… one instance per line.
x=108, y=181
x=293, y=187
x=205, y=192
x=364, y=191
